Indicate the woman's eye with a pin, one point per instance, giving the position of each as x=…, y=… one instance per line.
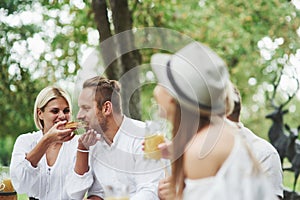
x=66, y=111
x=54, y=111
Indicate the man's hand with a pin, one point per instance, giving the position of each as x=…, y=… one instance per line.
x=88, y=139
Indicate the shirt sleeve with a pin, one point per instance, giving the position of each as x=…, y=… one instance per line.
x=23, y=175
x=96, y=189
x=149, y=172
x=77, y=185
x=271, y=165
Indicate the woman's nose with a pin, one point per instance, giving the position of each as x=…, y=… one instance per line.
x=61, y=115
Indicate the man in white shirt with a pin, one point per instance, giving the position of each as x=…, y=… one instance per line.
x=116, y=157
x=264, y=152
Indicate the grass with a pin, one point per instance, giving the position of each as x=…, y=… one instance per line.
x=22, y=197
x=288, y=178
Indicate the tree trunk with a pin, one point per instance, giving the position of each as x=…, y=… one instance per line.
x=130, y=59
x=123, y=46
x=107, y=47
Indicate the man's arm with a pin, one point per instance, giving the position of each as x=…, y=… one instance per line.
x=147, y=182
x=81, y=178
x=85, y=141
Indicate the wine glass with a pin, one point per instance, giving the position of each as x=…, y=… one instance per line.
x=116, y=191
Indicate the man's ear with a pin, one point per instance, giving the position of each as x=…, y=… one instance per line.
x=107, y=108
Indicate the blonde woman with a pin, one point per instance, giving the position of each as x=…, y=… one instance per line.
x=41, y=159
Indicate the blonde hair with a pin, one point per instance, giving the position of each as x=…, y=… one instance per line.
x=47, y=94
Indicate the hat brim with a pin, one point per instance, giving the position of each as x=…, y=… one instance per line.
x=159, y=64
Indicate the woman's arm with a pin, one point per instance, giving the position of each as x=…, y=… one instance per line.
x=52, y=136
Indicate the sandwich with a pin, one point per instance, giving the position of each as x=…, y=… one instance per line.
x=75, y=125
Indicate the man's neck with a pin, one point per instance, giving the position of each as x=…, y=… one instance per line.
x=113, y=125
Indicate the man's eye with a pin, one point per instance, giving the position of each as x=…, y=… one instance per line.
x=86, y=109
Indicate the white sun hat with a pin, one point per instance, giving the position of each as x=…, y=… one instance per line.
x=195, y=75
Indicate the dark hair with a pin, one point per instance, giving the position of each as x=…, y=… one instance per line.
x=105, y=90
x=235, y=114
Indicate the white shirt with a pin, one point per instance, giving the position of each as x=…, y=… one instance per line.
x=235, y=180
x=268, y=157
x=121, y=163
x=42, y=182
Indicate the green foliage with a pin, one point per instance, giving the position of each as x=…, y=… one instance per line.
x=14, y=5
x=17, y=90
x=21, y=79
x=147, y=100
x=6, y=149
x=233, y=29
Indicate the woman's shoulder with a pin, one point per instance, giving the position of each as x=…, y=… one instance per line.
x=28, y=140
x=208, y=150
x=212, y=141
x=31, y=135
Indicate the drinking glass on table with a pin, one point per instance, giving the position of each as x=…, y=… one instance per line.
x=116, y=192
x=6, y=185
x=2, y=186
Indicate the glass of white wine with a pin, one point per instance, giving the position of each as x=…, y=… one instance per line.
x=117, y=191
x=6, y=185
x=154, y=136
x=2, y=186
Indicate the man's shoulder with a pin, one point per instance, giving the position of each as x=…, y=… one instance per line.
x=258, y=143
x=133, y=125
x=131, y=132
x=136, y=122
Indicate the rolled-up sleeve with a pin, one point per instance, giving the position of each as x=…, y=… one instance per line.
x=271, y=165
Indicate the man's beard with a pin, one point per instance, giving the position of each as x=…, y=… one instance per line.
x=102, y=124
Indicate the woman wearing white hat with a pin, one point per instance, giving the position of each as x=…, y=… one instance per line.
x=210, y=159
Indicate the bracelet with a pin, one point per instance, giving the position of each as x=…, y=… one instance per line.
x=83, y=151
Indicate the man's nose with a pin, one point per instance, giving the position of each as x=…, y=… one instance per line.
x=80, y=115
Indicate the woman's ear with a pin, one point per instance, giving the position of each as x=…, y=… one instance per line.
x=40, y=114
x=173, y=101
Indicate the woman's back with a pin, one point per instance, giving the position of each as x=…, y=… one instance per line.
x=224, y=169
x=208, y=149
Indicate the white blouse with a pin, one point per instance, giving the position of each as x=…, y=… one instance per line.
x=43, y=182
x=235, y=180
